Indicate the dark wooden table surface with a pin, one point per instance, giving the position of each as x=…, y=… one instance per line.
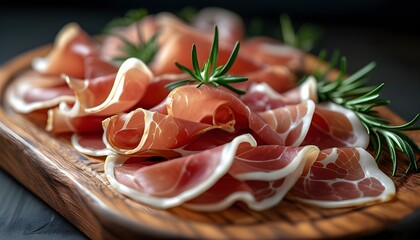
x=363, y=31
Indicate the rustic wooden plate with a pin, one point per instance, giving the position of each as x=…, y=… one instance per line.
x=76, y=187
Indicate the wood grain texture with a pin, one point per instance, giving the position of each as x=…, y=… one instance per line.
x=76, y=187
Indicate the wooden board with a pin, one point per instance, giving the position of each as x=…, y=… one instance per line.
x=76, y=187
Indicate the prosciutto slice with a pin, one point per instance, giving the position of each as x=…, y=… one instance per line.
x=223, y=109
x=261, y=97
x=110, y=93
x=202, y=148
x=335, y=126
x=189, y=176
x=101, y=97
x=343, y=177
x=156, y=91
x=71, y=46
x=278, y=77
x=273, y=52
x=90, y=144
x=331, y=125
x=231, y=25
x=180, y=42
x=260, y=177
x=291, y=122
x=146, y=133
x=195, y=177
x=34, y=91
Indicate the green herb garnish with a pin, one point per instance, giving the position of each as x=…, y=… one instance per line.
x=353, y=93
x=131, y=16
x=144, y=50
x=210, y=74
x=187, y=13
x=303, y=38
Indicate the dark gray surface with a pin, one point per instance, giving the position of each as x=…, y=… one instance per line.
x=363, y=31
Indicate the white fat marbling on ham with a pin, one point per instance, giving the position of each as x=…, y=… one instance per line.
x=202, y=148
x=259, y=182
x=262, y=97
x=270, y=51
x=71, y=46
x=231, y=25
x=90, y=144
x=145, y=133
x=125, y=90
x=59, y=123
x=165, y=190
x=291, y=122
x=344, y=177
x=32, y=92
x=335, y=126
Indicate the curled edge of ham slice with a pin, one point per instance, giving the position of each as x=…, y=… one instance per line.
x=71, y=44
x=280, y=181
x=273, y=52
x=262, y=97
x=227, y=155
x=291, y=122
x=132, y=70
x=370, y=179
x=142, y=132
x=17, y=93
x=90, y=144
x=344, y=128
x=231, y=25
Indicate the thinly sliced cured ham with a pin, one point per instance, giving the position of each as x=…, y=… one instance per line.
x=197, y=146
x=101, y=97
x=146, y=133
x=156, y=91
x=335, y=126
x=273, y=52
x=34, y=91
x=178, y=49
x=90, y=144
x=343, y=177
x=258, y=176
x=72, y=45
x=277, y=76
x=59, y=123
x=330, y=124
x=222, y=109
x=262, y=97
x=171, y=183
x=231, y=25
x=111, y=93
x=291, y=122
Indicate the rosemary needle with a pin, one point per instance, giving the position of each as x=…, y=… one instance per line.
x=210, y=74
x=144, y=50
x=353, y=93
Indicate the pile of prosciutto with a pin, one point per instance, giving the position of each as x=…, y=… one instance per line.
x=203, y=148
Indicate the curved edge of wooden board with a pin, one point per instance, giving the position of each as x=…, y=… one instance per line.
x=75, y=187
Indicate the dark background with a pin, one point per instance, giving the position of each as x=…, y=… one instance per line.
x=387, y=32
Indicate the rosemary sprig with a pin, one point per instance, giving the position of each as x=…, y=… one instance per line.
x=305, y=37
x=353, y=93
x=210, y=74
x=131, y=16
x=144, y=50
x=187, y=13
